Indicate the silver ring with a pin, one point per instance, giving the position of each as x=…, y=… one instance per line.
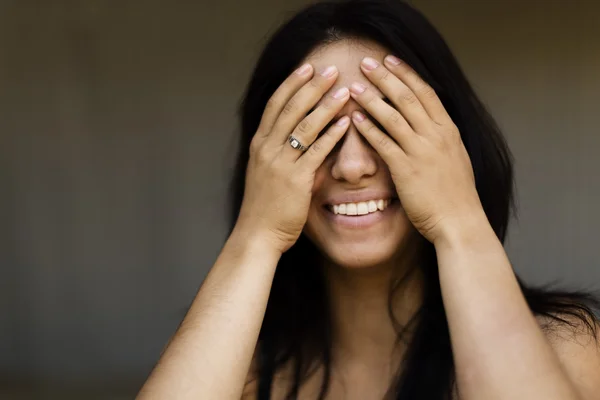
x=295, y=143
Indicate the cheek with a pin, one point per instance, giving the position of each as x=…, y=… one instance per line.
x=320, y=179
x=385, y=172
x=319, y=185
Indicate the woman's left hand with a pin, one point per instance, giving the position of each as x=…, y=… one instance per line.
x=423, y=149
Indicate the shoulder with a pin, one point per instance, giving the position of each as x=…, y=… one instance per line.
x=576, y=343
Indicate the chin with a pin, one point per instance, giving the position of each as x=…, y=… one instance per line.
x=360, y=256
x=360, y=249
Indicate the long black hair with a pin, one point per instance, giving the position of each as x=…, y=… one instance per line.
x=296, y=329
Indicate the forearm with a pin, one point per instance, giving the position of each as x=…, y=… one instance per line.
x=499, y=350
x=211, y=352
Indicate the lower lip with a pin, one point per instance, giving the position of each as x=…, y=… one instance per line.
x=361, y=221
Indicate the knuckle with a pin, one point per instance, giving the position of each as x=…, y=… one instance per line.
x=326, y=135
x=315, y=148
x=271, y=103
x=414, y=77
x=254, y=145
x=327, y=104
x=385, y=75
x=369, y=99
x=384, y=143
x=394, y=116
x=262, y=157
x=454, y=135
x=409, y=98
x=428, y=92
x=305, y=126
x=372, y=129
x=290, y=107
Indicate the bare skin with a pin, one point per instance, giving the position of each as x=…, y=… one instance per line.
x=500, y=350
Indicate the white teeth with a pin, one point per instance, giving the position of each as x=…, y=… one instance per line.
x=372, y=206
x=361, y=208
x=351, y=209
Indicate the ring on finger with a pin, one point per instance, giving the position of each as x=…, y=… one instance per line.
x=295, y=143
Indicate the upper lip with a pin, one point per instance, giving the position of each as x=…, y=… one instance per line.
x=360, y=196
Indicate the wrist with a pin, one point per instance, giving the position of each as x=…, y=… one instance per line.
x=252, y=240
x=464, y=231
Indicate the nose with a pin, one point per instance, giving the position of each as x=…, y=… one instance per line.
x=355, y=160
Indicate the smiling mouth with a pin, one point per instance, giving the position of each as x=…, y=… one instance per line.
x=361, y=208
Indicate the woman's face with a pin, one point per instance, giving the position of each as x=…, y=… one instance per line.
x=354, y=173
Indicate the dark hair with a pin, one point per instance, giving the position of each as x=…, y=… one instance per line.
x=296, y=327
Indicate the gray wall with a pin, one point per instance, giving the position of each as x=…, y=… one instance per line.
x=116, y=141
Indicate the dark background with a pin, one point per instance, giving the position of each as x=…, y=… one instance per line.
x=117, y=120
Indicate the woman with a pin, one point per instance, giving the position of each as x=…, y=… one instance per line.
x=372, y=197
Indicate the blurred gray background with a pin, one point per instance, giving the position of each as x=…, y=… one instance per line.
x=117, y=126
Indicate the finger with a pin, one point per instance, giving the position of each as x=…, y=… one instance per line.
x=300, y=104
x=308, y=129
x=401, y=96
x=383, y=144
x=282, y=95
x=424, y=92
x=318, y=151
x=390, y=119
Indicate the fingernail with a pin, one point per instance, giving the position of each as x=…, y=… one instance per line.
x=358, y=88
x=343, y=121
x=393, y=60
x=341, y=93
x=303, y=69
x=370, y=63
x=328, y=72
x=358, y=116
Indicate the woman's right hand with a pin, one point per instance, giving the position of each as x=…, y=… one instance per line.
x=279, y=178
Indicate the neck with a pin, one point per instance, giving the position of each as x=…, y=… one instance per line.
x=364, y=333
